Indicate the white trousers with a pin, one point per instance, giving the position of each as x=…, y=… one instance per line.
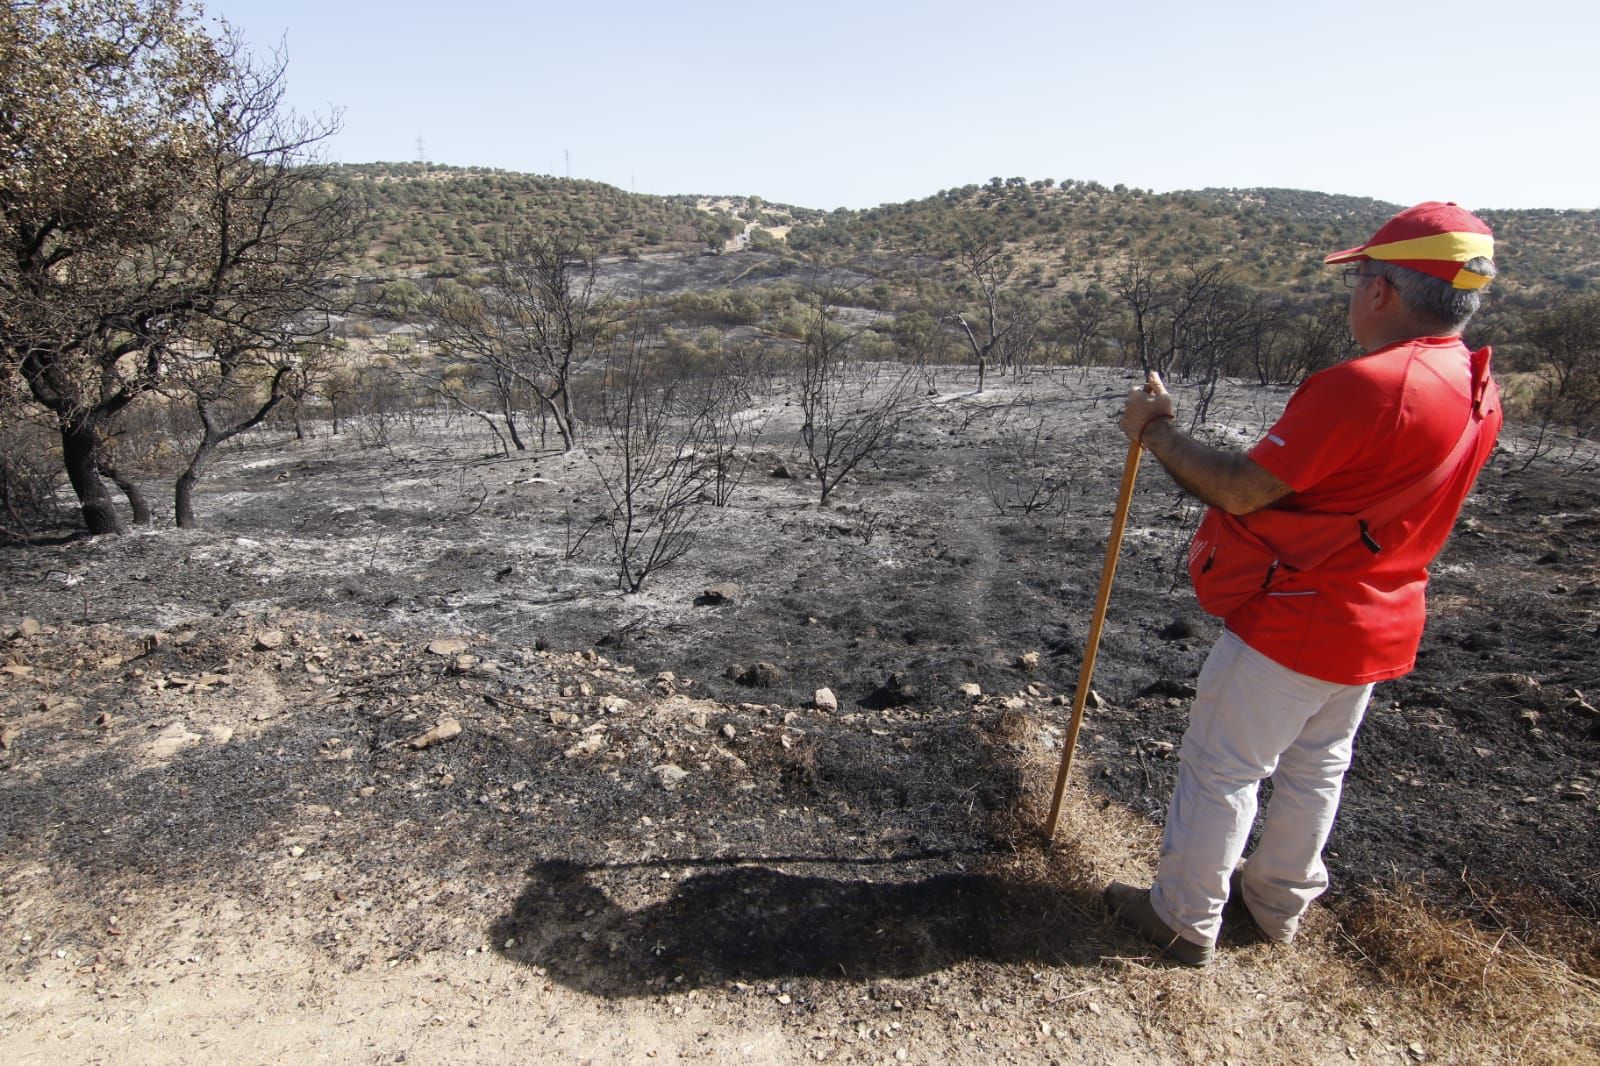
x=1253, y=719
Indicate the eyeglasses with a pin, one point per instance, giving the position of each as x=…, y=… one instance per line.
x=1353, y=277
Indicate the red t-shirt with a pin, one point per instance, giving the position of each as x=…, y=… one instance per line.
x=1351, y=435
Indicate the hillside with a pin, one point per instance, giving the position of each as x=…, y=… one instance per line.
x=432, y=218
x=439, y=219
x=1274, y=238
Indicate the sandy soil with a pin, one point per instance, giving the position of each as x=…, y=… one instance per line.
x=370, y=770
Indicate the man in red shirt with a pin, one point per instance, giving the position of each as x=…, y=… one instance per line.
x=1284, y=689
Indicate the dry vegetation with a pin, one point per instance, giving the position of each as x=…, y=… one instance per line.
x=1529, y=973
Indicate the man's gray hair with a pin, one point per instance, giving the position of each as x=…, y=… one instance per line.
x=1433, y=299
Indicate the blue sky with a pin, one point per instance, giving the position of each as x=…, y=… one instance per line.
x=829, y=104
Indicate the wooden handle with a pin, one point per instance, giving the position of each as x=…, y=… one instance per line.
x=1130, y=470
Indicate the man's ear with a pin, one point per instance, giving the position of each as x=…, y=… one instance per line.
x=1382, y=293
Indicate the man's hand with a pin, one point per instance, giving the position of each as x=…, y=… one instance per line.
x=1229, y=480
x=1146, y=405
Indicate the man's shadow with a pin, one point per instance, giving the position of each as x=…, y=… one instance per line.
x=751, y=922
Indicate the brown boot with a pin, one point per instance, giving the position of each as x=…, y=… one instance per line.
x=1131, y=908
x=1237, y=908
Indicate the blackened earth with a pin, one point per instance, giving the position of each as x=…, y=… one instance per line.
x=1476, y=776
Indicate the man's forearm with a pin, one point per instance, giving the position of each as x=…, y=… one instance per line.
x=1229, y=480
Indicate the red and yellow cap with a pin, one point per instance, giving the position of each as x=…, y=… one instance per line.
x=1433, y=238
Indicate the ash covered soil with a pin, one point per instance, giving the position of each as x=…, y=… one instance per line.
x=385, y=726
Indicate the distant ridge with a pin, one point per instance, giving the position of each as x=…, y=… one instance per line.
x=442, y=219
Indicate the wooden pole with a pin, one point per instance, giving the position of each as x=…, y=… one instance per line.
x=1130, y=470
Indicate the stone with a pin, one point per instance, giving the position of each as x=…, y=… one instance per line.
x=824, y=700
x=447, y=729
x=269, y=640
x=669, y=775
x=29, y=627
x=173, y=739
x=760, y=675
x=592, y=744
x=1514, y=684
x=448, y=646
x=1179, y=629
x=1169, y=688
x=733, y=760
x=896, y=691
x=1028, y=661
x=971, y=691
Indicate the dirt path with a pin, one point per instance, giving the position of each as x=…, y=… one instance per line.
x=249, y=857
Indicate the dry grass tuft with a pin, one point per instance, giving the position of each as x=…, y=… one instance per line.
x=1523, y=968
x=1516, y=981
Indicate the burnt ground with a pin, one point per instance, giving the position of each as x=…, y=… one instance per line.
x=234, y=708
